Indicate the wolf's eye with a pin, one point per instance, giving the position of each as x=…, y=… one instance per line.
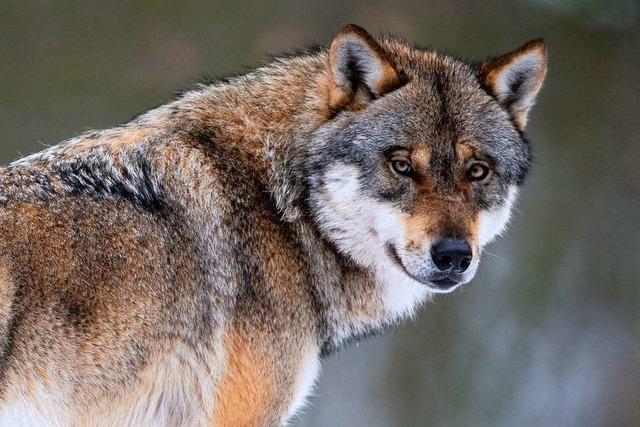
x=401, y=166
x=478, y=171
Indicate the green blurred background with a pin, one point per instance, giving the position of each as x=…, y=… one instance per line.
x=548, y=334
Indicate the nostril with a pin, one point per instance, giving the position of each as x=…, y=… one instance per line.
x=452, y=255
x=443, y=261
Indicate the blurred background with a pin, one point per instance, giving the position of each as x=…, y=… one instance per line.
x=548, y=334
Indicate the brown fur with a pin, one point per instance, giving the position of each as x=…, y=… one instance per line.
x=168, y=271
x=247, y=387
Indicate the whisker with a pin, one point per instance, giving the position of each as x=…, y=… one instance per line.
x=492, y=254
x=515, y=208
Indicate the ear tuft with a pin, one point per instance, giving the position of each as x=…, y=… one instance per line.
x=515, y=79
x=359, y=68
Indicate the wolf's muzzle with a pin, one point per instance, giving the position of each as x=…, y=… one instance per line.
x=450, y=259
x=452, y=255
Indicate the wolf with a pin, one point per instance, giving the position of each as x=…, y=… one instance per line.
x=193, y=266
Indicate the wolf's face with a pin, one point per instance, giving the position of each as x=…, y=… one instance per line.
x=419, y=176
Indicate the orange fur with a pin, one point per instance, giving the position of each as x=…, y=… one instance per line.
x=247, y=387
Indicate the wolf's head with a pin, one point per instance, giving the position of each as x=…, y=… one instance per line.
x=420, y=163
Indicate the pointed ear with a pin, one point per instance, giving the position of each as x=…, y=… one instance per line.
x=514, y=79
x=359, y=68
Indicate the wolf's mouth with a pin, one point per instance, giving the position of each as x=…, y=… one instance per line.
x=393, y=254
x=445, y=283
x=439, y=282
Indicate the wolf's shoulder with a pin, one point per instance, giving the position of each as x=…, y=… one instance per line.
x=150, y=168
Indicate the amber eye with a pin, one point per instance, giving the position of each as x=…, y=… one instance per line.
x=478, y=171
x=401, y=166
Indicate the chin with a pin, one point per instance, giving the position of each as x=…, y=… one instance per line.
x=444, y=287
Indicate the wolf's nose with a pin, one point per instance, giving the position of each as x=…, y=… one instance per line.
x=452, y=254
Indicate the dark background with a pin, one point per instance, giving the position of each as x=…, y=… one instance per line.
x=548, y=333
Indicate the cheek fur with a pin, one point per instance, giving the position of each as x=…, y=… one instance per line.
x=358, y=224
x=493, y=222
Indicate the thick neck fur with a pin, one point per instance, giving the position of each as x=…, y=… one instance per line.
x=266, y=118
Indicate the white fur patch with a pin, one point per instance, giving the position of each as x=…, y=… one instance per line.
x=492, y=223
x=23, y=413
x=305, y=382
x=361, y=227
x=402, y=294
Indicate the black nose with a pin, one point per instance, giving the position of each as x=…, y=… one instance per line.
x=452, y=254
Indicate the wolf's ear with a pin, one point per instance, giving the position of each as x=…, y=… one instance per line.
x=514, y=79
x=359, y=69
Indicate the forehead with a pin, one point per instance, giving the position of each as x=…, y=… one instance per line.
x=443, y=99
x=441, y=105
